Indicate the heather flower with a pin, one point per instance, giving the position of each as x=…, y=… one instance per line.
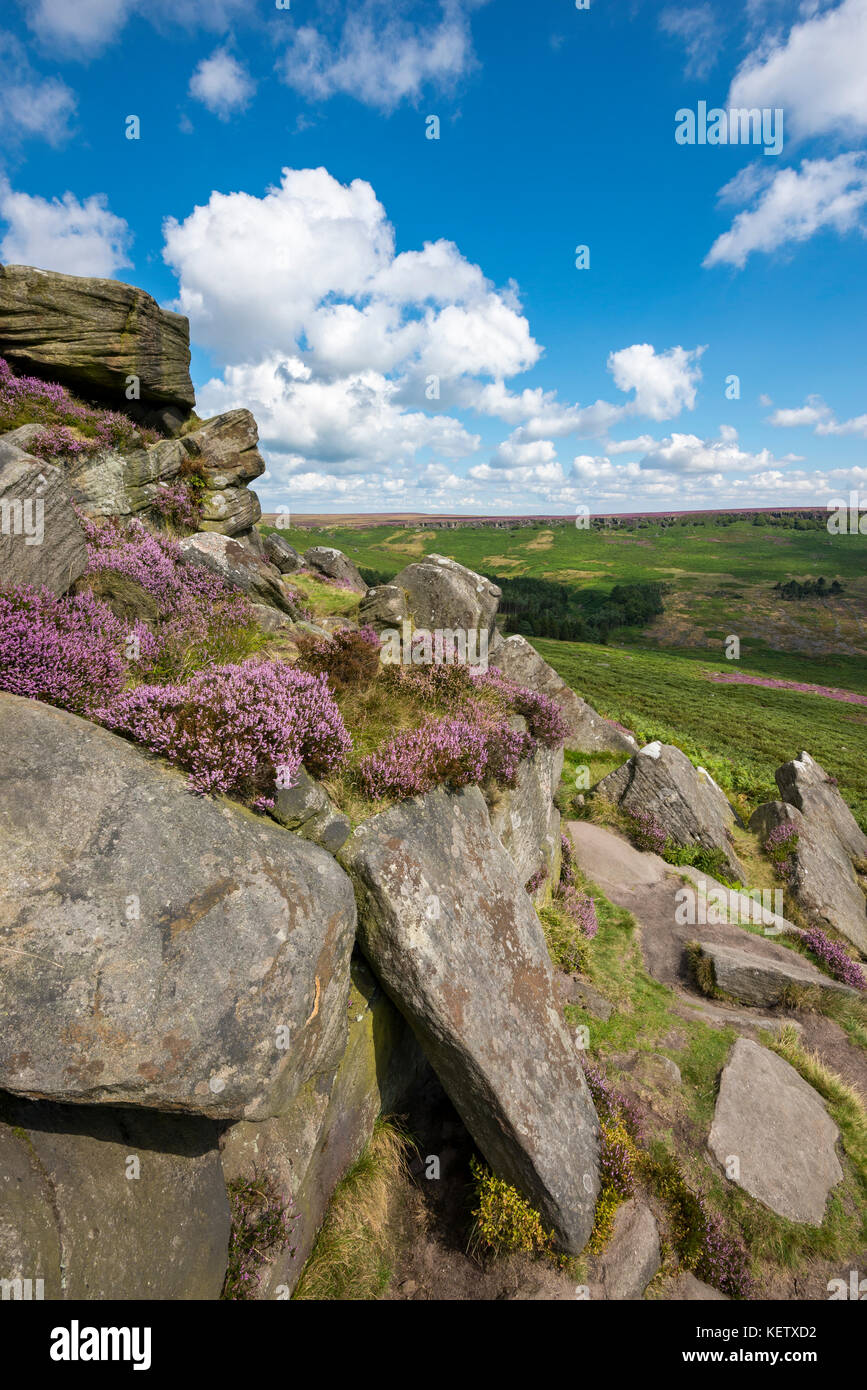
x=567, y=862
x=202, y=620
x=236, y=728
x=545, y=718
x=780, y=845
x=71, y=652
x=71, y=427
x=458, y=750
x=177, y=504
x=579, y=908
x=263, y=1224
x=349, y=658
x=646, y=832
x=834, y=958
x=612, y=1105
x=535, y=881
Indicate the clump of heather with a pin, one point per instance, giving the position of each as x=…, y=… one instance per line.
x=469, y=747
x=262, y=1225
x=350, y=658
x=237, y=728
x=455, y=686
x=544, y=717
x=57, y=441
x=71, y=427
x=72, y=652
x=723, y=1261
x=834, y=958
x=179, y=505
x=780, y=845
x=619, y=1132
x=579, y=908
x=646, y=833
x=611, y=1104
x=535, y=881
x=567, y=862
x=202, y=620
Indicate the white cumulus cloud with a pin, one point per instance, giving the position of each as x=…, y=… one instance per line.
x=31, y=105
x=664, y=382
x=791, y=205
x=816, y=72
x=222, y=84
x=78, y=237
x=383, y=52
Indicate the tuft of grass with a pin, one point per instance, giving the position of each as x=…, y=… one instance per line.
x=351, y=1259
x=567, y=946
x=844, y=1102
x=701, y=968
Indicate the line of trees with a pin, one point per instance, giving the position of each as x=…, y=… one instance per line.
x=809, y=588
x=544, y=608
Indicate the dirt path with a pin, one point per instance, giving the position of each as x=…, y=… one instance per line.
x=646, y=886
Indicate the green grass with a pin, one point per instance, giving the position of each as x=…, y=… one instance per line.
x=324, y=599
x=352, y=1257
x=740, y=733
x=719, y=576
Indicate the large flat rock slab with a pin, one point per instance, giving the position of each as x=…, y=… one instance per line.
x=776, y=1126
x=94, y=334
x=449, y=930
x=41, y=540
x=103, y=1203
x=158, y=949
x=763, y=980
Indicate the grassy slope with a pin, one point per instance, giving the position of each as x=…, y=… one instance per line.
x=721, y=580
x=741, y=733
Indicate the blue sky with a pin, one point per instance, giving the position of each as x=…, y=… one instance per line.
x=404, y=315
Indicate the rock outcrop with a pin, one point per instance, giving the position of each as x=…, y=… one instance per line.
x=631, y=1256
x=307, y=808
x=685, y=801
x=452, y=936
x=820, y=876
x=588, y=731
x=772, y=1125
x=384, y=606
x=807, y=786
x=111, y=1204
x=239, y=567
x=158, y=949
x=41, y=540
x=762, y=979
x=281, y=554
x=224, y=452
x=440, y=593
x=526, y=821
x=335, y=565
x=94, y=335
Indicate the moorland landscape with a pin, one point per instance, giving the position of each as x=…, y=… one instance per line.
x=433, y=673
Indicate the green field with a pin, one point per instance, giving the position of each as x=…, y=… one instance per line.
x=720, y=580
